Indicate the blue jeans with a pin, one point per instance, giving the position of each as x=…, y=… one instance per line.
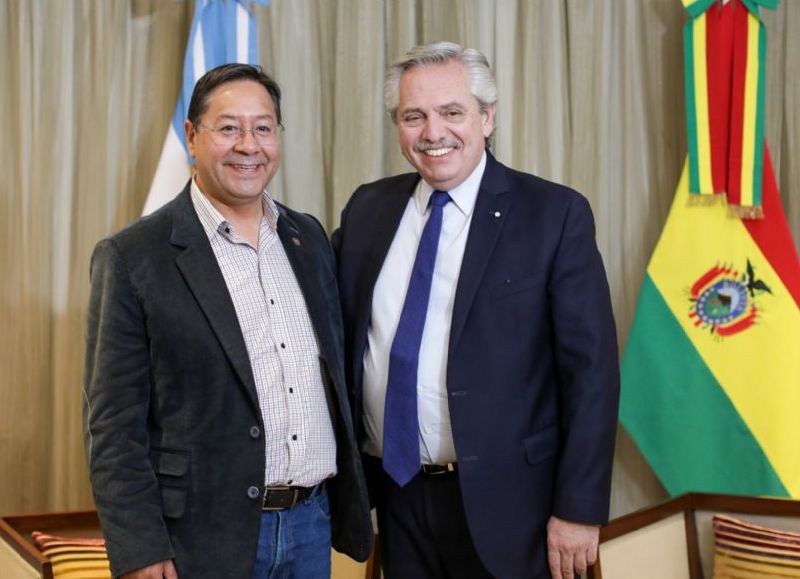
x=296, y=543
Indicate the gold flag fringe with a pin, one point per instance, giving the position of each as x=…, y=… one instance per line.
x=707, y=200
x=747, y=212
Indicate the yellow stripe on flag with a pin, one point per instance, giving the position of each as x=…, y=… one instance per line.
x=701, y=104
x=758, y=368
x=750, y=110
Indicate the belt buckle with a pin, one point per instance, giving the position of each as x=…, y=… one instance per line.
x=280, y=491
x=437, y=469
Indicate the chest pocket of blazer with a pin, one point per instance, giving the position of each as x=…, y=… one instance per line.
x=172, y=469
x=511, y=286
x=541, y=445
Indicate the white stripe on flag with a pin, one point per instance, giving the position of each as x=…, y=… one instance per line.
x=242, y=33
x=198, y=54
x=171, y=175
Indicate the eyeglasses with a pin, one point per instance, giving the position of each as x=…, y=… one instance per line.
x=228, y=135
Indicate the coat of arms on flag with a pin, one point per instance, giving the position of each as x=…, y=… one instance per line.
x=723, y=300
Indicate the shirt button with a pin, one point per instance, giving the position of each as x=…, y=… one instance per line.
x=272, y=302
x=294, y=437
x=255, y=432
x=291, y=390
x=253, y=492
x=283, y=345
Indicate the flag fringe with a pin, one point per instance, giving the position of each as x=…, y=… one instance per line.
x=747, y=211
x=706, y=200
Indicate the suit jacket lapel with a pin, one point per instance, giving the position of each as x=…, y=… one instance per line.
x=199, y=268
x=304, y=265
x=491, y=209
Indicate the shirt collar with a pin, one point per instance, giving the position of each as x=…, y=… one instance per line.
x=213, y=221
x=463, y=196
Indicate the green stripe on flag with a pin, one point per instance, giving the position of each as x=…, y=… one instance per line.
x=679, y=416
x=691, y=107
x=697, y=8
x=761, y=105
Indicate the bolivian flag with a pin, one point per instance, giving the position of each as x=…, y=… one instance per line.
x=711, y=372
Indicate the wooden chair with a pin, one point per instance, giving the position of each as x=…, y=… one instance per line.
x=675, y=540
x=20, y=559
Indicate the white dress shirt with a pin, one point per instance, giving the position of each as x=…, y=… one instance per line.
x=436, y=437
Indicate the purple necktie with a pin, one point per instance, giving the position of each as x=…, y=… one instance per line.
x=400, y=419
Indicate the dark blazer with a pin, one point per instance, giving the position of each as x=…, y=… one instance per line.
x=532, y=372
x=174, y=435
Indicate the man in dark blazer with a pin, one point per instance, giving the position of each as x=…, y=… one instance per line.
x=509, y=337
x=217, y=426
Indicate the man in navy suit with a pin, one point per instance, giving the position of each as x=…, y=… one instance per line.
x=480, y=343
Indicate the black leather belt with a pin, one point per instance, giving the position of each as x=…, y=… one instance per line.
x=280, y=498
x=434, y=469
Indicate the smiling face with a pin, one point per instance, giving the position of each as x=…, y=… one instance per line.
x=440, y=127
x=236, y=174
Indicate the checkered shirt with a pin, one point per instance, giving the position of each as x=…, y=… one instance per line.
x=282, y=346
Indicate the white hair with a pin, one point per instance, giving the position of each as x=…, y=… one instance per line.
x=479, y=74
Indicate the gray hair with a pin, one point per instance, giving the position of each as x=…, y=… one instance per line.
x=479, y=74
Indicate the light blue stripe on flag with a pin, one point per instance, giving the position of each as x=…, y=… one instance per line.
x=214, y=35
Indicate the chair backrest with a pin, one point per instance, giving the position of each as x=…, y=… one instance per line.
x=657, y=551
x=674, y=540
x=657, y=543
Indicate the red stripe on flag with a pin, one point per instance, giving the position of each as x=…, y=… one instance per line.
x=772, y=235
x=719, y=37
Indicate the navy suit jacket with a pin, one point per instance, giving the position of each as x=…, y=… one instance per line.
x=532, y=369
x=174, y=434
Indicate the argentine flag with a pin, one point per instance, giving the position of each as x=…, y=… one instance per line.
x=223, y=31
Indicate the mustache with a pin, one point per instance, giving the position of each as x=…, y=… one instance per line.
x=440, y=144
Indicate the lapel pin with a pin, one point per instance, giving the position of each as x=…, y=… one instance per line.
x=495, y=214
x=296, y=241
